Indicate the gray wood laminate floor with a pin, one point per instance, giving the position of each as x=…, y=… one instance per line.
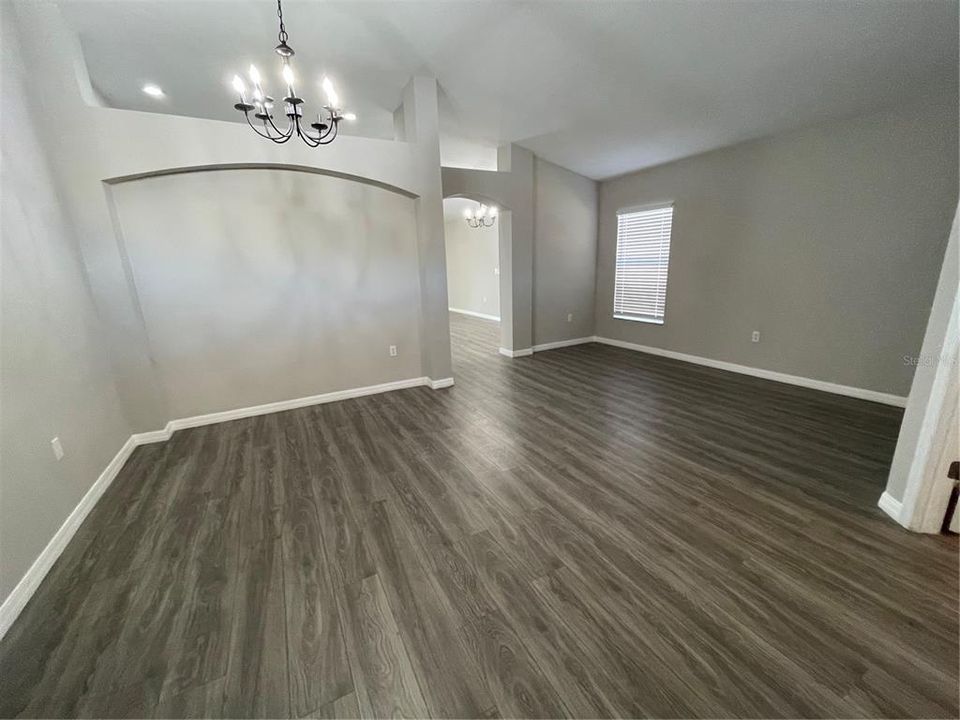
x=588, y=532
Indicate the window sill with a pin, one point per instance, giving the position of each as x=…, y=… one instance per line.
x=652, y=321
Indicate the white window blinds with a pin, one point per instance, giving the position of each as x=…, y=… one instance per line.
x=643, y=257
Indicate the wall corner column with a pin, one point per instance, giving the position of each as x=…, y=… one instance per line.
x=418, y=119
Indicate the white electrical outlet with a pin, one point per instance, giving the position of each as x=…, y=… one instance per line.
x=569, y=317
x=755, y=336
x=57, y=448
x=393, y=351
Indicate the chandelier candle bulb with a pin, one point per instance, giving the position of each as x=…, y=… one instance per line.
x=332, y=100
x=240, y=88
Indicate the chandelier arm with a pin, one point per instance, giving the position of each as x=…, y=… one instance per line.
x=305, y=135
x=283, y=136
x=276, y=135
x=331, y=133
x=264, y=117
x=298, y=128
x=311, y=140
x=332, y=129
x=256, y=130
x=321, y=137
x=322, y=134
x=324, y=137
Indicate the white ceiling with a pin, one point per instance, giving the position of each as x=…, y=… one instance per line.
x=602, y=87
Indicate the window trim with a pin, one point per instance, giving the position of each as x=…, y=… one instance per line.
x=651, y=321
x=645, y=208
x=627, y=211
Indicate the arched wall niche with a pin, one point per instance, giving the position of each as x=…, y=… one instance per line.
x=263, y=284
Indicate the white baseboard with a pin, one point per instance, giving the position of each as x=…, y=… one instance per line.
x=522, y=352
x=153, y=436
x=473, y=313
x=280, y=406
x=21, y=594
x=562, y=344
x=891, y=506
x=848, y=390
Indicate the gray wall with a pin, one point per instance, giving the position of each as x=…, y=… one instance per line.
x=473, y=257
x=511, y=188
x=564, y=253
x=266, y=285
x=828, y=241
x=54, y=376
x=547, y=249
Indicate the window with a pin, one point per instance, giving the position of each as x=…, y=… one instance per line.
x=643, y=256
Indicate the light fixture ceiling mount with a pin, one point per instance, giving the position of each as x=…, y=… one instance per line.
x=328, y=119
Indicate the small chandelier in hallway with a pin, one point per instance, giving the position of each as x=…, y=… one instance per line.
x=483, y=217
x=328, y=119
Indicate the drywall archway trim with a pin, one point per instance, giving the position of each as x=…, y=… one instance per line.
x=477, y=197
x=260, y=166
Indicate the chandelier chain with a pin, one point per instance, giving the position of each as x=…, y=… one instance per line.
x=283, y=31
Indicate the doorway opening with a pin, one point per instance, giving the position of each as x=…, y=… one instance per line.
x=472, y=239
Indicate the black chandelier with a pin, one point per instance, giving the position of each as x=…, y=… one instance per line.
x=328, y=119
x=483, y=217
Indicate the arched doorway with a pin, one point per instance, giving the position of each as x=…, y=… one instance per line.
x=478, y=284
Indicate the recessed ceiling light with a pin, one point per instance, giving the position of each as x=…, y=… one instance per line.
x=153, y=90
